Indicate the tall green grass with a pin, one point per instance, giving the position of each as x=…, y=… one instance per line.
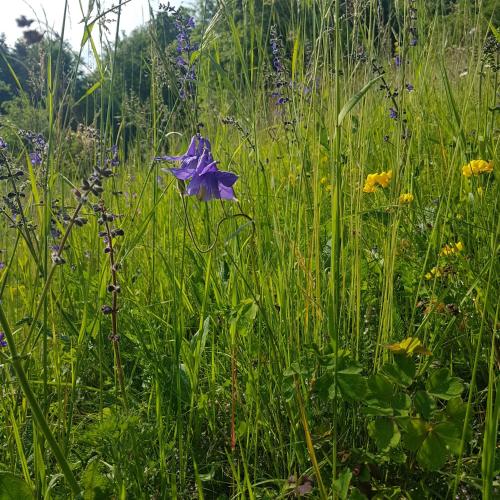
x=228, y=310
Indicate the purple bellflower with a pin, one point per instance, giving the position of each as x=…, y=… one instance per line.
x=197, y=165
x=3, y=342
x=210, y=183
x=198, y=147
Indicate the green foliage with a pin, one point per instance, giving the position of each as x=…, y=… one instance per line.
x=432, y=432
x=442, y=385
x=14, y=488
x=327, y=347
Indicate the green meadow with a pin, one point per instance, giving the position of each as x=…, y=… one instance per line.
x=303, y=302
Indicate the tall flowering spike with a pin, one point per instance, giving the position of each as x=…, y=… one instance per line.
x=185, y=48
x=412, y=30
x=35, y=159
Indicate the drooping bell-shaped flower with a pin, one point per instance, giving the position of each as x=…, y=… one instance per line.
x=197, y=165
x=209, y=183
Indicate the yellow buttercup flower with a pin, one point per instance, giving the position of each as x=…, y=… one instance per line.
x=374, y=180
x=406, y=198
x=477, y=167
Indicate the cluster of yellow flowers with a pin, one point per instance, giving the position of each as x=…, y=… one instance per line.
x=477, y=167
x=374, y=180
x=437, y=272
x=451, y=249
x=406, y=198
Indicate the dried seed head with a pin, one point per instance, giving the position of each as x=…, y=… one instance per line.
x=80, y=221
x=105, y=309
x=57, y=259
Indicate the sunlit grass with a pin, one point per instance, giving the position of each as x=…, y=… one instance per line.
x=229, y=312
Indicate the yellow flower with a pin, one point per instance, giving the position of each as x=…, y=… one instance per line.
x=373, y=180
x=434, y=272
x=451, y=249
x=384, y=178
x=369, y=188
x=323, y=180
x=477, y=167
x=406, y=198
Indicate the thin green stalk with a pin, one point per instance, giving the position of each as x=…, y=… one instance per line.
x=336, y=247
x=472, y=384
x=37, y=412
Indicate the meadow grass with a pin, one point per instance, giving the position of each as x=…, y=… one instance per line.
x=246, y=330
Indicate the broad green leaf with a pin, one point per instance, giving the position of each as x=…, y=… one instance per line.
x=352, y=386
x=401, y=371
x=401, y=402
x=385, y=433
x=375, y=408
x=341, y=485
x=357, y=495
x=456, y=409
x=416, y=431
x=14, y=488
x=442, y=385
x=424, y=404
x=432, y=454
x=323, y=385
x=380, y=388
x=450, y=434
x=347, y=365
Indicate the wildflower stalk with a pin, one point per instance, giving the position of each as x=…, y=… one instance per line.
x=56, y=261
x=36, y=411
x=114, y=288
x=336, y=208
